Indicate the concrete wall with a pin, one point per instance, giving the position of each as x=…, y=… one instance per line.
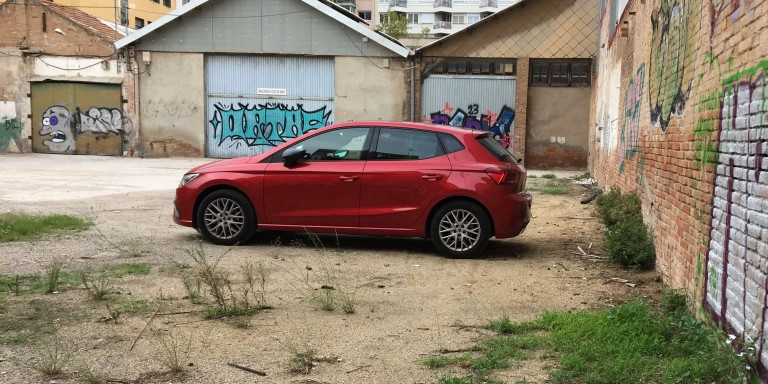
x=691, y=138
x=556, y=138
x=171, y=101
x=370, y=88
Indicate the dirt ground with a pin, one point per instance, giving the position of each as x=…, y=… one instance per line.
x=409, y=302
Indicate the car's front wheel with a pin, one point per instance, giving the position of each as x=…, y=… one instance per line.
x=226, y=217
x=460, y=229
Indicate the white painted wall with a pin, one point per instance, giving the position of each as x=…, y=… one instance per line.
x=77, y=66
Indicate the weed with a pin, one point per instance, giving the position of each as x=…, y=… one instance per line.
x=114, y=312
x=55, y=354
x=240, y=321
x=90, y=376
x=628, y=241
x=172, y=349
x=302, y=362
x=323, y=286
x=256, y=277
x=23, y=226
x=98, y=286
x=505, y=326
x=192, y=285
x=230, y=303
x=52, y=276
x=549, y=176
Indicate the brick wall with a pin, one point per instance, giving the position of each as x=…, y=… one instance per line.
x=689, y=134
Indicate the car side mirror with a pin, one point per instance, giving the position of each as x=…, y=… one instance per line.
x=292, y=155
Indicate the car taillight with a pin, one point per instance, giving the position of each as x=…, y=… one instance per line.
x=503, y=176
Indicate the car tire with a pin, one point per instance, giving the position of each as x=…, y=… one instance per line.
x=460, y=229
x=226, y=217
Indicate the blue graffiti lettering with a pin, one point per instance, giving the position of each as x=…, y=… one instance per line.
x=501, y=127
x=265, y=124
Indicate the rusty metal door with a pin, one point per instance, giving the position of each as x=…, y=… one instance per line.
x=77, y=118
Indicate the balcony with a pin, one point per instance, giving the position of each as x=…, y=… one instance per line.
x=398, y=3
x=441, y=28
x=489, y=3
x=443, y=5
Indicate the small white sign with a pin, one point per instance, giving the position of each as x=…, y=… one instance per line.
x=271, y=91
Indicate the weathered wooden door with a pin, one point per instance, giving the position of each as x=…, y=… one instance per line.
x=77, y=118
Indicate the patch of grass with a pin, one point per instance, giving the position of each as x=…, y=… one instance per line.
x=553, y=188
x=28, y=321
x=130, y=306
x=54, y=277
x=614, y=206
x=121, y=270
x=23, y=226
x=632, y=343
x=549, y=176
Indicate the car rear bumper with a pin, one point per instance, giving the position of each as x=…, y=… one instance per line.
x=513, y=217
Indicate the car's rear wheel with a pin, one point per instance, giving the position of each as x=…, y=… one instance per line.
x=460, y=229
x=226, y=217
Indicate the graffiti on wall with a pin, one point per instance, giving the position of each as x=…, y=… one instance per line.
x=737, y=285
x=60, y=127
x=670, y=68
x=264, y=124
x=10, y=125
x=498, y=123
x=719, y=9
x=631, y=127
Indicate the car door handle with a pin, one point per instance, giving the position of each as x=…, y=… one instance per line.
x=432, y=177
x=349, y=178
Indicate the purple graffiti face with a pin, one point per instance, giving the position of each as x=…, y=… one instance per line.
x=55, y=125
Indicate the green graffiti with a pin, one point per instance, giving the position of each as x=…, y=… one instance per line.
x=714, y=278
x=9, y=130
x=673, y=41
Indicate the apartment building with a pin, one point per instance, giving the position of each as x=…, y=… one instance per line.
x=441, y=17
x=132, y=14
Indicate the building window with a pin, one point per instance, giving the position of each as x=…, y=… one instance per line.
x=458, y=18
x=156, y=1
x=365, y=15
x=475, y=67
x=413, y=18
x=560, y=73
x=139, y=23
x=167, y=3
x=473, y=18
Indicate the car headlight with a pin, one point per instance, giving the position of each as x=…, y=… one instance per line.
x=188, y=177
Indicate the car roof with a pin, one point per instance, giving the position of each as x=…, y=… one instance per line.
x=408, y=124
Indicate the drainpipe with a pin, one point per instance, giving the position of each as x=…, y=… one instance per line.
x=413, y=89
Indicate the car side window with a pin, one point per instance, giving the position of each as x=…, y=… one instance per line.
x=407, y=144
x=451, y=143
x=339, y=144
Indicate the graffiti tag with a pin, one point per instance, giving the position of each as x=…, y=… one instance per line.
x=9, y=131
x=60, y=127
x=265, y=124
x=498, y=123
x=670, y=65
x=631, y=126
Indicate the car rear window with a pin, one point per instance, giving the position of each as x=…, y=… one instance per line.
x=451, y=143
x=494, y=147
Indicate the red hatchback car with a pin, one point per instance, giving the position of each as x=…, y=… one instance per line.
x=455, y=186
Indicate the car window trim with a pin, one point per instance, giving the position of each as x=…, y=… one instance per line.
x=372, y=152
x=277, y=157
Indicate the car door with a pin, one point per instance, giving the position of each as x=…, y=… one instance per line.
x=323, y=188
x=404, y=173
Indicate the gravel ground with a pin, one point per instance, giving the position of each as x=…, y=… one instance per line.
x=409, y=302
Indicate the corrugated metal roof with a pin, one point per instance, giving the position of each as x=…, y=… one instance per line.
x=382, y=39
